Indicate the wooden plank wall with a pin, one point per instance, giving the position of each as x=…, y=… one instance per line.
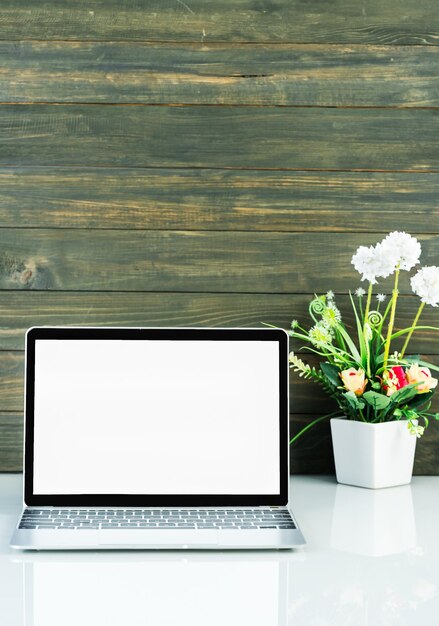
x=209, y=163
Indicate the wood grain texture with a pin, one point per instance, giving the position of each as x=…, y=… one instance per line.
x=338, y=21
x=124, y=260
x=21, y=309
x=218, y=200
x=311, y=75
x=210, y=163
x=305, y=396
x=221, y=136
x=11, y=381
x=11, y=442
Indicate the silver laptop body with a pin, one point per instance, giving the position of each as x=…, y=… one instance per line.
x=156, y=438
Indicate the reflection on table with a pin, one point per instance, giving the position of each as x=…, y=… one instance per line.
x=371, y=560
x=147, y=589
x=374, y=522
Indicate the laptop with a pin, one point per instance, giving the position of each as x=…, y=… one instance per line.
x=156, y=438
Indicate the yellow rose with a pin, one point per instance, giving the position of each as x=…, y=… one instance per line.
x=354, y=380
x=416, y=374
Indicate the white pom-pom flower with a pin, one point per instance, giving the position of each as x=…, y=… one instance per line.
x=403, y=248
x=374, y=262
x=425, y=284
x=386, y=260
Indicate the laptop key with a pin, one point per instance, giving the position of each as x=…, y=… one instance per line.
x=289, y=526
x=49, y=526
x=27, y=526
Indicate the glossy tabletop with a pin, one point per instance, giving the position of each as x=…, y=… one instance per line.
x=372, y=559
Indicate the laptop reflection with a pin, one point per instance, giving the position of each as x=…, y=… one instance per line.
x=196, y=590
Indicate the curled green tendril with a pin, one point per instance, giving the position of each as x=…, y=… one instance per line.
x=374, y=318
x=317, y=306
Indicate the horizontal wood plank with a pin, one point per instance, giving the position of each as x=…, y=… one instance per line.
x=393, y=21
x=12, y=381
x=305, y=396
x=21, y=309
x=219, y=74
x=116, y=260
x=311, y=454
x=218, y=200
x=11, y=442
x=222, y=136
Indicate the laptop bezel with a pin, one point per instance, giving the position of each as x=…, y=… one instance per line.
x=154, y=500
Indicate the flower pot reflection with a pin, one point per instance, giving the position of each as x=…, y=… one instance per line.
x=373, y=522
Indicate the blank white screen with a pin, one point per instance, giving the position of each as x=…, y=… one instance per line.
x=156, y=417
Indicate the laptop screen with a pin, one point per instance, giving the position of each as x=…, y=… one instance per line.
x=156, y=416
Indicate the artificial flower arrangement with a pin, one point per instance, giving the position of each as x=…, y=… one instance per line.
x=368, y=381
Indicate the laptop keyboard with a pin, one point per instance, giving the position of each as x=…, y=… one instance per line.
x=80, y=519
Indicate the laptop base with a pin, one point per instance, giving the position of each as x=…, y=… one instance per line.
x=156, y=539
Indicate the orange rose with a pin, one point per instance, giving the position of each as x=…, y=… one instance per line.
x=417, y=374
x=354, y=380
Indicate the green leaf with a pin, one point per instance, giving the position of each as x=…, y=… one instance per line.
x=419, y=400
x=361, y=338
x=331, y=373
x=350, y=344
x=354, y=401
x=404, y=331
x=423, y=363
x=406, y=393
x=385, y=314
x=376, y=400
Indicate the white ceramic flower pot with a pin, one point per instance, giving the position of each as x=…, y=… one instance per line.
x=373, y=455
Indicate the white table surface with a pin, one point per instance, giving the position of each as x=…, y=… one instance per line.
x=372, y=559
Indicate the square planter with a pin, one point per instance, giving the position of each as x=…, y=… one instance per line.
x=373, y=455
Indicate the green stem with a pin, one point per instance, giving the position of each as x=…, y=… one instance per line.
x=416, y=320
x=392, y=319
x=361, y=415
x=360, y=303
x=368, y=372
x=308, y=426
x=366, y=312
x=366, y=342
